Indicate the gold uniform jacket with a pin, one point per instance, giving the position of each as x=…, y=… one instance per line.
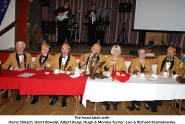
x=161, y=65
x=135, y=65
x=38, y=63
x=70, y=63
x=183, y=68
x=86, y=57
x=120, y=65
x=13, y=61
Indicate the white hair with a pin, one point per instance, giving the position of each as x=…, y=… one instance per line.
x=21, y=42
x=116, y=47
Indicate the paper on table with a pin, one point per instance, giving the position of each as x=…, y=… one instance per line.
x=26, y=75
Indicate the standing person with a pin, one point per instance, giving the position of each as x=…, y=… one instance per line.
x=18, y=61
x=91, y=16
x=63, y=14
x=34, y=23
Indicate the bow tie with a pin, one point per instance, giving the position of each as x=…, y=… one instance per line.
x=43, y=56
x=168, y=60
x=20, y=54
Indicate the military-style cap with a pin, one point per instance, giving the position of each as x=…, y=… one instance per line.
x=46, y=46
x=171, y=49
x=65, y=45
x=96, y=46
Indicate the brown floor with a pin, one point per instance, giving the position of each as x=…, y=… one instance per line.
x=11, y=107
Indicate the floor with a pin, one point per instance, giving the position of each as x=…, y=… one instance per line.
x=23, y=107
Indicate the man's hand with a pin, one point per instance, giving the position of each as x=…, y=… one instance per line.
x=82, y=63
x=110, y=64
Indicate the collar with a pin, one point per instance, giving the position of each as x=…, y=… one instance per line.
x=169, y=60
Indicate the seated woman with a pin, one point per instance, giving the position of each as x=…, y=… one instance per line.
x=138, y=66
x=114, y=63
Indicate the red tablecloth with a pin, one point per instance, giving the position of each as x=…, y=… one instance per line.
x=42, y=84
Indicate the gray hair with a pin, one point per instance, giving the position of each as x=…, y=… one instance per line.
x=21, y=42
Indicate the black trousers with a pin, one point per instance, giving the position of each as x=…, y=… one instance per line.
x=152, y=104
x=63, y=32
x=56, y=97
x=91, y=34
x=138, y=103
x=35, y=97
x=108, y=103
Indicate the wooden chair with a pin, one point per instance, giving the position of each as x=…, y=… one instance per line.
x=173, y=106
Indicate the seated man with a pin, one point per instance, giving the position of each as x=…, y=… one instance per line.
x=85, y=58
x=142, y=65
x=17, y=61
x=66, y=62
x=168, y=62
x=43, y=61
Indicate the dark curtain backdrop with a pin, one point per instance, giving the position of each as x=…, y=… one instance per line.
x=116, y=19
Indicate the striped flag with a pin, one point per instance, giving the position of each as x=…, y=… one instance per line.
x=3, y=8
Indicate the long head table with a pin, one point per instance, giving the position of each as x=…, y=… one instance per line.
x=42, y=84
x=99, y=90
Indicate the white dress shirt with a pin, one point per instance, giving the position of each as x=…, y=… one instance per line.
x=64, y=60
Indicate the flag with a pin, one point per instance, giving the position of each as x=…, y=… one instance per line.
x=3, y=8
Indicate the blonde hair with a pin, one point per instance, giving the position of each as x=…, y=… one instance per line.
x=116, y=47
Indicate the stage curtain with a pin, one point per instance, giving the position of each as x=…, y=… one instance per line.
x=22, y=20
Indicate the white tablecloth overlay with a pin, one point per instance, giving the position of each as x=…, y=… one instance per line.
x=100, y=90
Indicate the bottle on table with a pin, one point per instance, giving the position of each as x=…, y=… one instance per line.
x=170, y=73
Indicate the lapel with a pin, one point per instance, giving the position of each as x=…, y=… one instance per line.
x=172, y=64
x=87, y=61
x=138, y=65
x=67, y=62
x=18, y=62
x=45, y=59
x=25, y=58
x=17, y=58
x=60, y=61
x=98, y=58
x=163, y=64
x=40, y=58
